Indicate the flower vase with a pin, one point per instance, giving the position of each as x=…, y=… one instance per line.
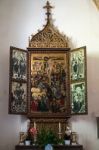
x=27, y=142
x=67, y=142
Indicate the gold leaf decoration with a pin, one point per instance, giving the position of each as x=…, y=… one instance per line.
x=96, y=3
x=49, y=37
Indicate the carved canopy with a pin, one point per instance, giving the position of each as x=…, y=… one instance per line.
x=49, y=37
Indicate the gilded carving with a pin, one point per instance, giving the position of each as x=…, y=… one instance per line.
x=96, y=3
x=51, y=124
x=49, y=37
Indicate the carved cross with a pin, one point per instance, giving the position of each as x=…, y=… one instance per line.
x=48, y=7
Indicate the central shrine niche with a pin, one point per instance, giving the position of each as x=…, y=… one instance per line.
x=48, y=82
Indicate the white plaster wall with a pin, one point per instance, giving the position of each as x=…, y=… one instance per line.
x=78, y=19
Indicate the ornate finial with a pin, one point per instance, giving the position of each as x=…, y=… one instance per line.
x=48, y=13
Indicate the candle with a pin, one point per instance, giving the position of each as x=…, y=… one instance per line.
x=59, y=127
x=28, y=124
x=34, y=124
x=35, y=135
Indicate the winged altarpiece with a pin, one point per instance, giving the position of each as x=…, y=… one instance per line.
x=48, y=80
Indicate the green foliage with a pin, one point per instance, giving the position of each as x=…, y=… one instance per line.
x=45, y=137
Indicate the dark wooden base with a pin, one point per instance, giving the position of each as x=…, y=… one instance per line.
x=56, y=147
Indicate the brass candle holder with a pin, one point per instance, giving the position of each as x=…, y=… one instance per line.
x=60, y=135
x=74, y=138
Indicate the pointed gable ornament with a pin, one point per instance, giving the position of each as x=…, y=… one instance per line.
x=49, y=37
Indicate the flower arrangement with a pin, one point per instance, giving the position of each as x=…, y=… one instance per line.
x=33, y=133
x=67, y=135
x=47, y=136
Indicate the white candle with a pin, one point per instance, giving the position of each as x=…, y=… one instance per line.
x=34, y=124
x=59, y=127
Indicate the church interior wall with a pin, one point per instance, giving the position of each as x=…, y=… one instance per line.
x=79, y=20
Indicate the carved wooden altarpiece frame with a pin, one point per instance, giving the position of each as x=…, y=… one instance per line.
x=48, y=48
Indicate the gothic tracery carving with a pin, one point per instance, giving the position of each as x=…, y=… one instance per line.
x=49, y=37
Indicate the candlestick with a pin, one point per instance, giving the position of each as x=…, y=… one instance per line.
x=59, y=127
x=34, y=124
x=35, y=135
